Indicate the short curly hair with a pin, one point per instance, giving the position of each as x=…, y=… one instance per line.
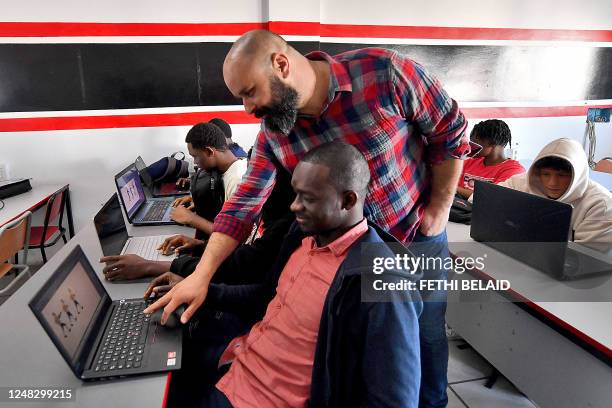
x=205, y=135
x=223, y=125
x=494, y=131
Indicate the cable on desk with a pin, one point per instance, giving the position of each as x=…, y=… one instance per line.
x=1, y=204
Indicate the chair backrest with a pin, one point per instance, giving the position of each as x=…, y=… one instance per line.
x=14, y=236
x=55, y=208
x=604, y=165
x=605, y=179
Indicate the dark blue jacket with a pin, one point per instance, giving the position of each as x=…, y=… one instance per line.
x=367, y=353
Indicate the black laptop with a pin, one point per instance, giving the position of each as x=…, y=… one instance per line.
x=139, y=209
x=114, y=238
x=166, y=189
x=533, y=230
x=98, y=337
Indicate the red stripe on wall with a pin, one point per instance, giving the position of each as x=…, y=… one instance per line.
x=123, y=29
x=295, y=28
x=241, y=117
x=57, y=29
x=151, y=29
x=529, y=112
x=463, y=33
x=119, y=121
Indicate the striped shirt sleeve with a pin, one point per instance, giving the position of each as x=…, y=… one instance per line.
x=422, y=100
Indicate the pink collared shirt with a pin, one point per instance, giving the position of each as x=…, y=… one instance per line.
x=272, y=364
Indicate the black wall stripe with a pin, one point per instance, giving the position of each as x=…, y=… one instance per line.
x=50, y=77
x=511, y=73
x=40, y=77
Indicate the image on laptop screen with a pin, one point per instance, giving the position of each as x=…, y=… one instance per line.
x=131, y=191
x=68, y=304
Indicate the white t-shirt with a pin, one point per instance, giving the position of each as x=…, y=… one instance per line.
x=233, y=176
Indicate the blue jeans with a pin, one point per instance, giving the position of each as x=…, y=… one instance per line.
x=432, y=333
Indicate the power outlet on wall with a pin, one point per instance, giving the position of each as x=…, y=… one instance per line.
x=512, y=152
x=515, y=154
x=4, y=172
x=598, y=115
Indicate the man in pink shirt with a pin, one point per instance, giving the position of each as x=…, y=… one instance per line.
x=300, y=352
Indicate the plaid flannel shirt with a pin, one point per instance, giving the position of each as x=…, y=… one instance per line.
x=389, y=108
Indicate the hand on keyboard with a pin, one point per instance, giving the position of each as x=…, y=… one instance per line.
x=181, y=215
x=162, y=284
x=183, y=184
x=180, y=243
x=186, y=201
x=125, y=267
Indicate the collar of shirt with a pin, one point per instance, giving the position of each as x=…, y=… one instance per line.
x=341, y=244
x=339, y=81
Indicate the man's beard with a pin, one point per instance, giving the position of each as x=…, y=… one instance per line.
x=282, y=114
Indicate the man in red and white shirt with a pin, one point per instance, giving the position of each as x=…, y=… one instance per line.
x=491, y=164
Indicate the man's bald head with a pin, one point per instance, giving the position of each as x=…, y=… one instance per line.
x=262, y=69
x=257, y=45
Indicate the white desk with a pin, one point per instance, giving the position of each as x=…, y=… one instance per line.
x=33, y=200
x=553, y=339
x=30, y=359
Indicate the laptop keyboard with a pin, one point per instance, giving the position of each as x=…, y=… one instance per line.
x=156, y=211
x=123, y=345
x=146, y=247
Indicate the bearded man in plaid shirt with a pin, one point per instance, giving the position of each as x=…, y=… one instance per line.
x=407, y=127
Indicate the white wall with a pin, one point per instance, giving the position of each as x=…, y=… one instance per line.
x=88, y=159
x=530, y=135
x=133, y=11
x=561, y=14
x=283, y=10
x=558, y=14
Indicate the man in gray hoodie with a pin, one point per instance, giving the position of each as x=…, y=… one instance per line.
x=561, y=172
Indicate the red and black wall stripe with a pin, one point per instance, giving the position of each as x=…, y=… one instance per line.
x=50, y=77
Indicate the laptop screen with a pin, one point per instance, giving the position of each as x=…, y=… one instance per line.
x=514, y=223
x=130, y=188
x=501, y=214
x=69, y=303
x=110, y=227
x=144, y=173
